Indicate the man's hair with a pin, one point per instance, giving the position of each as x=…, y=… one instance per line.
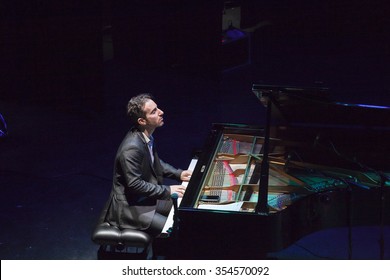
x=135, y=107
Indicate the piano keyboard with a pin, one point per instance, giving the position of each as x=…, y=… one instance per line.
x=169, y=222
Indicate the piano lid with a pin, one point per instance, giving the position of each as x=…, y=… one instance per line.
x=313, y=107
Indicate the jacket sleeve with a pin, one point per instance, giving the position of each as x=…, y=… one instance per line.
x=170, y=172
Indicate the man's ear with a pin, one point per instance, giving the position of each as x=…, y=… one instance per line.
x=141, y=121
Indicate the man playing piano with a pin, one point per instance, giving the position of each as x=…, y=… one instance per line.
x=139, y=199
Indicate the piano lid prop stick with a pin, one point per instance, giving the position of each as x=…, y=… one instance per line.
x=262, y=203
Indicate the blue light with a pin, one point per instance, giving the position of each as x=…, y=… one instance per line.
x=364, y=105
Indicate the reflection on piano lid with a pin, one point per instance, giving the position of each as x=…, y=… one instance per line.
x=354, y=133
x=313, y=107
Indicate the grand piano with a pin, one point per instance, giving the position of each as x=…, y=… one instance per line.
x=313, y=165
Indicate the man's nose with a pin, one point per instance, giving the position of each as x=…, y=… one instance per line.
x=161, y=112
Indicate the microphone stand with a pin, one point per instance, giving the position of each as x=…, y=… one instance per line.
x=383, y=178
x=175, y=226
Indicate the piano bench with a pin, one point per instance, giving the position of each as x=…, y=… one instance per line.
x=121, y=244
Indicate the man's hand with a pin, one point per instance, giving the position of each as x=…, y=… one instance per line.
x=185, y=175
x=179, y=189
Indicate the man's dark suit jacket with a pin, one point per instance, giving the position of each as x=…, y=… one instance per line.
x=137, y=183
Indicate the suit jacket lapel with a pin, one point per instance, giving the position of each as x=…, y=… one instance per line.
x=146, y=149
x=157, y=168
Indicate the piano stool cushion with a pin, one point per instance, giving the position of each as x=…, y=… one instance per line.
x=117, y=243
x=105, y=234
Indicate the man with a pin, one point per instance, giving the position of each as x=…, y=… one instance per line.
x=138, y=191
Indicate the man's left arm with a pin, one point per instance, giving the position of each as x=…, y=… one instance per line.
x=171, y=172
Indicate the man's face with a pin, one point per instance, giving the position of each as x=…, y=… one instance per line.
x=154, y=116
